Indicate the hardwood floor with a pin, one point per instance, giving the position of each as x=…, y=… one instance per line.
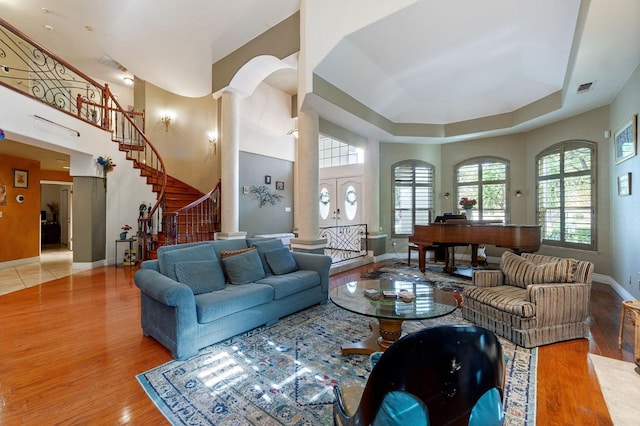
x=70, y=350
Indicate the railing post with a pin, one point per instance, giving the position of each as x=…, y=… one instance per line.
x=79, y=105
x=105, y=100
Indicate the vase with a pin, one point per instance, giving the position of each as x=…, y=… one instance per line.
x=123, y=235
x=467, y=211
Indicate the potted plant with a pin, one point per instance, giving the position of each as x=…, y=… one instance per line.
x=125, y=230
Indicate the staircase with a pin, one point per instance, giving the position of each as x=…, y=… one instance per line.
x=181, y=213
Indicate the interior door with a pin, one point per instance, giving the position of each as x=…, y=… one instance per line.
x=65, y=217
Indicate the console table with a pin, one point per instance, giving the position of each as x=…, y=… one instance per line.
x=130, y=242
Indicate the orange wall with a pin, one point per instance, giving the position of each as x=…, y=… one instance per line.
x=20, y=222
x=58, y=176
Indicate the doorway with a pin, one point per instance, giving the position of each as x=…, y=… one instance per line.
x=56, y=200
x=341, y=201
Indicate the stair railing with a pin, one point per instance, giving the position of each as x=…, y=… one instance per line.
x=198, y=221
x=31, y=69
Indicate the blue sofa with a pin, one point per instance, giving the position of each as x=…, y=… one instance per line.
x=201, y=293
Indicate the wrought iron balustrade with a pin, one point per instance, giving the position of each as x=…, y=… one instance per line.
x=345, y=242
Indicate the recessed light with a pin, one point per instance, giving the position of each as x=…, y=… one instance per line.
x=48, y=27
x=45, y=10
x=88, y=27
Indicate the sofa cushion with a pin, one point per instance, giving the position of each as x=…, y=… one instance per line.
x=504, y=297
x=521, y=272
x=281, y=261
x=243, y=268
x=292, y=283
x=202, y=276
x=263, y=246
x=233, y=298
x=169, y=259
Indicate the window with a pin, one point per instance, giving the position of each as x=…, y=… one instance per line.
x=484, y=180
x=565, y=182
x=335, y=153
x=413, y=195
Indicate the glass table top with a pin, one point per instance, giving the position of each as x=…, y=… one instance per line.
x=429, y=302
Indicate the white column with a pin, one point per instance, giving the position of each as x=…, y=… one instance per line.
x=372, y=185
x=230, y=164
x=307, y=157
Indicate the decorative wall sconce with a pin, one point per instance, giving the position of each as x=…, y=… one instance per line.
x=213, y=137
x=518, y=193
x=293, y=132
x=446, y=195
x=166, y=118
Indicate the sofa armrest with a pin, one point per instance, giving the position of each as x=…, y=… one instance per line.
x=487, y=278
x=560, y=303
x=164, y=290
x=315, y=262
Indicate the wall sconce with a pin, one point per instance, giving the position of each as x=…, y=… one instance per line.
x=446, y=195
x=213, y=137
x=166, y=117
x=518, y=193
x=293, y=132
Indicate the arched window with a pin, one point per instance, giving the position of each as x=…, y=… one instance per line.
x=484, y=179
x=413, y=195
x=565, y=187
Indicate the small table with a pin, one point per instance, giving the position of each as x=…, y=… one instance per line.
x=429, y=302
x=632, y=306
x=130, y=241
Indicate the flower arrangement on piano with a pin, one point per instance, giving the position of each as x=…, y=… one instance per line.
x=467, y=203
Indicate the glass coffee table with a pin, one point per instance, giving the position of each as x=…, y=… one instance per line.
x=390, y=310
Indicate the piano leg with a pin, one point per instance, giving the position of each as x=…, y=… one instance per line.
x=474, y=254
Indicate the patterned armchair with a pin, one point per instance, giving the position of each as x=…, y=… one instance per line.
x=532, y=299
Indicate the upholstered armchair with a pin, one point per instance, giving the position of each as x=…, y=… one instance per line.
x=532, y=299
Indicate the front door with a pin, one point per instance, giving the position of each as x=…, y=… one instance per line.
x=341, y=201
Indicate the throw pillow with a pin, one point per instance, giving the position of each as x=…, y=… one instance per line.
x=203, y=276
x=228, y=253
x=173, y=257
x=243, y=268
x=520, y=272
x=281, y=261
x=264, y=246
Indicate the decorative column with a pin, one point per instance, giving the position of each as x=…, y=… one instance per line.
x=376, y=240
x=230, y=166
x=307, y=216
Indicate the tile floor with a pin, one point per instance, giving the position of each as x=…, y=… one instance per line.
x=56, y=261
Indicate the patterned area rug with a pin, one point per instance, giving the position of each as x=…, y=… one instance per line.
x=284, y=374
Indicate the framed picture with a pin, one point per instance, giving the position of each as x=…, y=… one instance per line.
x=626, y=139
x=280, y=185
x=20, y=178
x=267, y=179
x=624, y=184
x=3, y=195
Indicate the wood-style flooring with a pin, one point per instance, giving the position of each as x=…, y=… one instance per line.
x=70, y=349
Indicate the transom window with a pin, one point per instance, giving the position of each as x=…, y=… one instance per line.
x=413, y=195
x=484, y=180
x=565, y=181
x=335, y=153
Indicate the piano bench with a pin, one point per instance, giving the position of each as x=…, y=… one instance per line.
x=414, y=247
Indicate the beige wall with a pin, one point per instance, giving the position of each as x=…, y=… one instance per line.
x=185, y=148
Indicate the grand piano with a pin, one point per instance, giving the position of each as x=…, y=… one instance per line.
x=452, y=231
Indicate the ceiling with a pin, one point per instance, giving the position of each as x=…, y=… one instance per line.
x=432, y=62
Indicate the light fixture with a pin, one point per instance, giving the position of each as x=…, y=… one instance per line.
x=165, y=117
x=518, y=193
x=446, y=195
x=213, y=137
x=128, y=80
x=293, y=132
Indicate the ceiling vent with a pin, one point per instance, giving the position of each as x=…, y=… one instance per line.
x=585, y=87
x=105, y=60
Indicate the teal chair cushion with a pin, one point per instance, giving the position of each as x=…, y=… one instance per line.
x=401, y=408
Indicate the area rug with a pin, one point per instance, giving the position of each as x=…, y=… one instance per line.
x=284, y=374
x=620, y=384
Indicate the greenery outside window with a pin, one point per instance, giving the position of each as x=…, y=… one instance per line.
x=413, y=196
x=565, y=183
x=484, y=179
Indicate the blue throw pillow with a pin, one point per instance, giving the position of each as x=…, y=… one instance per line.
x=203, y=276
x=281, y=261
x=173, y=257
x=264, y=246
x=244, y=268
